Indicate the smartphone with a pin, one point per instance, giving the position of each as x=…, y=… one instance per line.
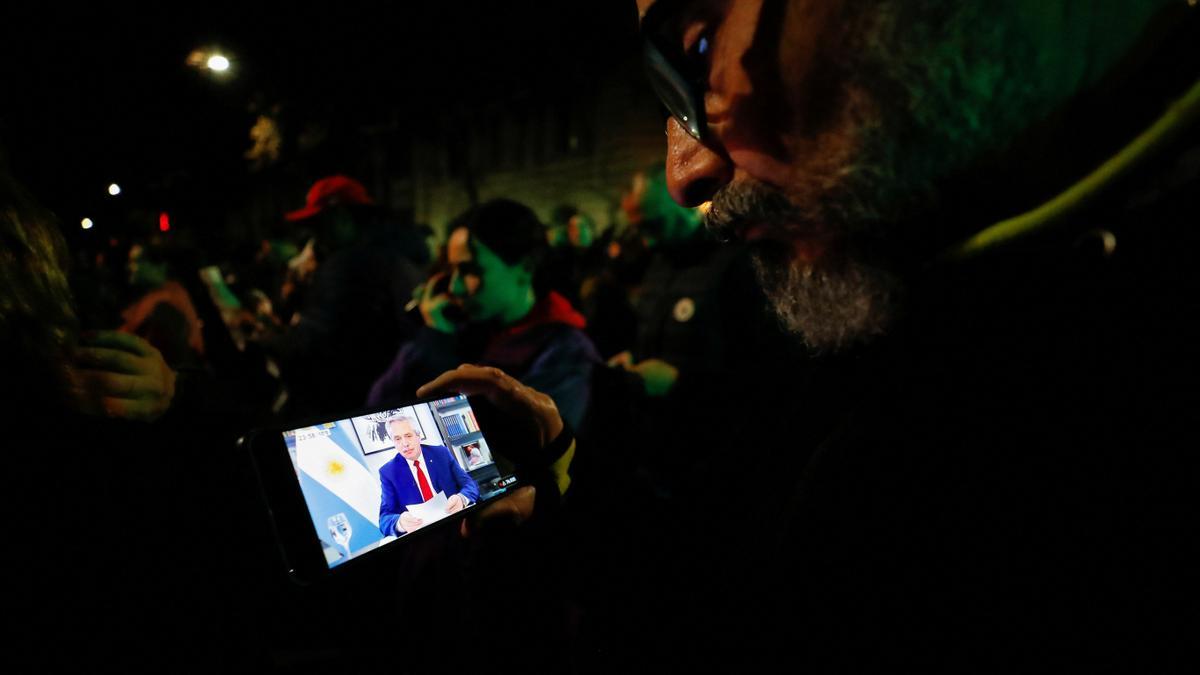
x=345, y=489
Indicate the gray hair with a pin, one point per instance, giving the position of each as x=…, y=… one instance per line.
x=412, y=423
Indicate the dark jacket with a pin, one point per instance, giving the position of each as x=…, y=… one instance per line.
x=399, y=490
x=351, y=323
x=700, y=309
x=1003, y=483
x=547, y=350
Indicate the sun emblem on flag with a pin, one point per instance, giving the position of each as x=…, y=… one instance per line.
x=335, y=468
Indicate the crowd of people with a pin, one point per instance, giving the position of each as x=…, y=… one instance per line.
x=352, y=309
x=796, y=407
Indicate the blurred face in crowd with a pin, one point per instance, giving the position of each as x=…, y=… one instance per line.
x=830, y=124
x=580, y=231
x=649, y=208
x=407, y=441
x=482, y=284
x=143, y=271
x=556, y=236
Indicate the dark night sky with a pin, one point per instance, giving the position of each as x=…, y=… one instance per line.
x=102, y=94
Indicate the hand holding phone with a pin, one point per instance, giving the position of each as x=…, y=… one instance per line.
x=366, y=481
x=505, y=392
x=503, y=514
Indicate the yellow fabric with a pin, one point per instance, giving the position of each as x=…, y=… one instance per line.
x=562, y=467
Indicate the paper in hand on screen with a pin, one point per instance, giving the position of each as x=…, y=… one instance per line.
x=434, y=509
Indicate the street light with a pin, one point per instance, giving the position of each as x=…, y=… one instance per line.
x=217, y=63
x=114, y=189
x=206, y=58
x=86, y=223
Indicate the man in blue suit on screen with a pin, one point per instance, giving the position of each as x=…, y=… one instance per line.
x=415, y=475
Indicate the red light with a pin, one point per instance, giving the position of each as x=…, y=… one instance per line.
x=164, y=222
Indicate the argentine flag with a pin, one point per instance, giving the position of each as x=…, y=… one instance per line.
x=332, y=470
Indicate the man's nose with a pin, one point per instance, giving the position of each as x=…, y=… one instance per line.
x=695, y=171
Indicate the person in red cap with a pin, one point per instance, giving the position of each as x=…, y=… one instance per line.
x=361, y=266
x=331, y=191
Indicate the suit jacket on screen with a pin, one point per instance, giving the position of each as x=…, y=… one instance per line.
x=400, y=490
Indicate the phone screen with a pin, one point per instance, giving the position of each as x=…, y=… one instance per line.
x=371, y=480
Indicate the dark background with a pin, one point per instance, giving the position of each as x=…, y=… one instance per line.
x=101, y=93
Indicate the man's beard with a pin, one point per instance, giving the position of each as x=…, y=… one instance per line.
x=830, y=308
x=911, y=114
x=843, y=296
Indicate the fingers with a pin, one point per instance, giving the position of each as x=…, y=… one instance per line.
x=470, y=380
x=107, y=359
x=624, y=359
x=102, y=383
x=506, y=393
x=120, y=375
x=137, y=409
x=112, y=339
x=141, y=410
x=512, y=509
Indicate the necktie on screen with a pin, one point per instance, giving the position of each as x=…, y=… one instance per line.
x=423, y=482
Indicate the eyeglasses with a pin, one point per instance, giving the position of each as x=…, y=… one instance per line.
x=676, y=80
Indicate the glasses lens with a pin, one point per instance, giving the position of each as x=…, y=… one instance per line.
x=673, y=90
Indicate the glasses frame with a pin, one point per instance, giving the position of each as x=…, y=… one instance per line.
x=682, y=97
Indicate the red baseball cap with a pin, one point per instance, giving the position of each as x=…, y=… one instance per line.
x=330, y=191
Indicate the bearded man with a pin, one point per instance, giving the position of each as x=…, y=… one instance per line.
x=978, y=217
